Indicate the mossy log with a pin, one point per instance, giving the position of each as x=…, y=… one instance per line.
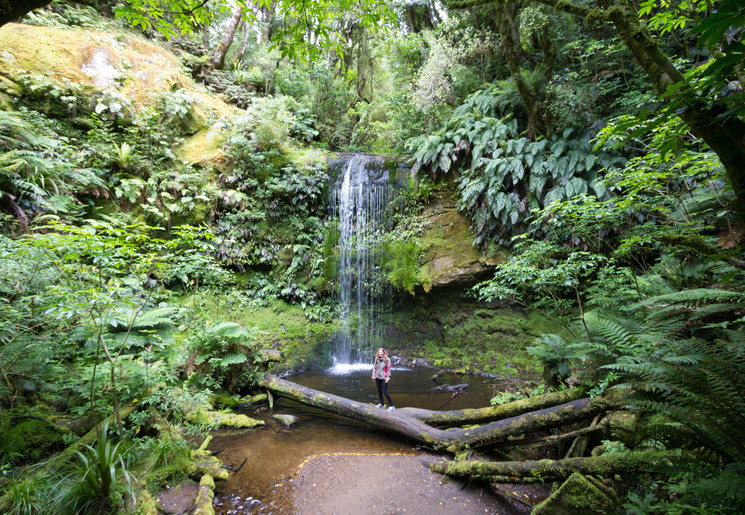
x=87, y=439
x=492, y=413
x=551, y=470
x=412, y=422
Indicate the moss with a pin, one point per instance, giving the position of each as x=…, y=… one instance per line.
x=449, y=254
x=223, y=399
x=145, y=504
x=175, y=471
x=30, y=440
x=203, y=502
x=205, y=463
x=282, y=326
x=579, y=494
x=452, y=330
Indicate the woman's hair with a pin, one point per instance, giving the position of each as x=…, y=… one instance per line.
x=377, y=354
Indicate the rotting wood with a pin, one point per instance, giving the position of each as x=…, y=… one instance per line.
x=63, y=458
x=413, y=423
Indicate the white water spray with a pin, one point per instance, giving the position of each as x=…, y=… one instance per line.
x=362, y=202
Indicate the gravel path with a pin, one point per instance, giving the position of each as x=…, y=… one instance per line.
x=360, y=484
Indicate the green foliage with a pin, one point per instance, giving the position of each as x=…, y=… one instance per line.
x=102, y=476
x=265, y=126
x=699, y=384
x=224, y=355
x=36, y=172
x=178, y=111
x=507, y=175
x=403, y=265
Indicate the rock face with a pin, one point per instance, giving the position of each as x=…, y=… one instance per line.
x=121, y=69
x=450, y=258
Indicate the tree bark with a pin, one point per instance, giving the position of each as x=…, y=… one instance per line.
x=218, y=58
x=410, y=422
x=551, y=470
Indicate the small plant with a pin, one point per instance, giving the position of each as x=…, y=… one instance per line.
x=124, y=156
x=103, y=475
x=21, y=498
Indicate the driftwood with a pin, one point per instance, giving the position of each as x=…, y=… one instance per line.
x=551, y=470
x=508, y=421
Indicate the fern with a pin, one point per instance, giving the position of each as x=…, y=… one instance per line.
x=699, y=305
x=703, y=389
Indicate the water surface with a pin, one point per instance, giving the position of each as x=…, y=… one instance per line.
x=272, y=454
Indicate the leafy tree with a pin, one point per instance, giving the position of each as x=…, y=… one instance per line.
x=705, y=113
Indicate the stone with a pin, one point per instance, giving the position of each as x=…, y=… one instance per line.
x=286, y=420
x=100, y=69
x=450, y=258
x=579, y=494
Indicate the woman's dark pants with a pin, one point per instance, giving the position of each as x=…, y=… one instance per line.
x=383, y=390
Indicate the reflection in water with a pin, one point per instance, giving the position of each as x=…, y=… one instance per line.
x=273, y=453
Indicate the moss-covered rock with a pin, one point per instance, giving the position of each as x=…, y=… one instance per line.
x=29, y=440
x=452, y=330
x=285, y=420
x=450, y=257
x=579, y=494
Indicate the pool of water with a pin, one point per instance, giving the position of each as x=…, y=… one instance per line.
x=268, y=457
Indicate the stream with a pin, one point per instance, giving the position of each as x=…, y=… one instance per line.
x=273, y=453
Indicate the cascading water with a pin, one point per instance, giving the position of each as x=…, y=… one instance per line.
x=361, y=201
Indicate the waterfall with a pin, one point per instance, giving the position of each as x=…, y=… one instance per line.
x=361, y=201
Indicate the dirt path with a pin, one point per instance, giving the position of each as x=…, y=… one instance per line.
x=361, y=484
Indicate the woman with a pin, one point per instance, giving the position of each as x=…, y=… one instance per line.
x=382, y=374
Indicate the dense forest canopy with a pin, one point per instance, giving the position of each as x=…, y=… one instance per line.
x=165, y=169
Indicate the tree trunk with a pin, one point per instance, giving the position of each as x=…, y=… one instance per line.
x=492, y=413
x=508, y=13
x=551, y=470
x=218, y=58
x=410, y=422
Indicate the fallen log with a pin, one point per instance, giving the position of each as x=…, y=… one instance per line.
x=413, y=423
x=552, y=470
x=553, y=439
x=492, y=413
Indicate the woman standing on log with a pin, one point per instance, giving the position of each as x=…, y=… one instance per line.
x=382, y=374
